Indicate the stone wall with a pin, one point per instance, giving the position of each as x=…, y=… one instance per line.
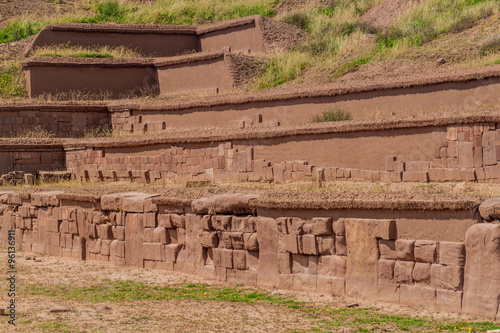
x=223, y=238
x=31, y=158
x=62, y=121
x=469, y=152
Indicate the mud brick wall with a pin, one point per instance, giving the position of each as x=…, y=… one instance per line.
x=31, y=159
x=61, y=121
x=219, y=238
x=465, y=155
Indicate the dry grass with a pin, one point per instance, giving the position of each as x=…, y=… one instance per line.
x=66, y=50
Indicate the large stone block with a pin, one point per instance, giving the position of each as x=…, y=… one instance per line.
x=451, y=253
x=322, y=226
x=291, y=243
x=388, y=293
x=447, y=277
x=305, y=282
x=251, y=242
x=326, y=245
x=490, y=209
x=403, y=272
x=482, y=270
x=309, y=245
x=425, y=251
x=152, y=251
x=387, y=249
x=239, y=260
x=448, y=300
x=237, y=240
x=422, y=272
x=224, y=204
x=418, y=296
x=222, y=222
x=362, y=246
x=172, y=252
x=209, y=239
x=226, y=257
x=285, y=263
x=405, y=249
x=385, y=229
x=385, y=270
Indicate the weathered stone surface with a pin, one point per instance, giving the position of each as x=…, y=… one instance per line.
x=172, y=251
x=482, y=270
x=209, y=239
x=362, y=249
x=385, y=229
x=418, y=296
x=250, y=241
x=447, y=277
x=339, y=227
x=387, y=249
x=451, y=253
x=309, y=245
x=490, y=209
x=403, y=271
x=239, y=260
x=388, y=293
x=385, y=270
x=425, y=251
x=322, y=226
x=326, y=245
x=405, y=249
x=448, y=300
x=134, y=229
x=285, y=263
x=236, y=204
x=267, y=236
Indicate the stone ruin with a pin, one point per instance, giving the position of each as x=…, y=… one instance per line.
x=441, y=255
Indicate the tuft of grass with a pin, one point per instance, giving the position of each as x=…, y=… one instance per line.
x=12, y=80
x=36, y=132
x=19, y=30
x=284, y=67
x=333, y=115
x=490, y=45
x=64, y=50
x=351, y=66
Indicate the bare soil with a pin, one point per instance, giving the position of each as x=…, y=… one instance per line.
x=385, y=13
x=175, y=315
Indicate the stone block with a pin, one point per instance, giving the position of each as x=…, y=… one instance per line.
x=226, y=257
x=178, y=221
x=422, y=272
x=300, y=263
x=339, y=227
x=160, y=235
x=305, y=282
x=447, y=277
x=104, y=231
x=172, y=252
x=209, y=239
x=296, y=226
x=326, y=245
x=466, y=154
x=385, y=270
x=206, y=223
x=282, y=223
x=490, y=209
x=309, y=245
x=239, y=260
x=324, y=284
x=286, y=281
x=451, y=253
x=291, y=244
x=322, y=226
x=250, y=241
x=387, y=249
x=237, y=240
x=340, y=245
x=285, y=263
x=52, y=225
x=150, y=220
x=448, y=300
x=403, y=271
x=425, y=251
x=105, y=246
x=164, y=221
x=181, y=236
x=405, y=249
x=117, y=249
x=388, y=293
x=418, y=296
x=385, y=229
x=152, y=251
x=221, y=222
x=252, y=260
x=338, y=286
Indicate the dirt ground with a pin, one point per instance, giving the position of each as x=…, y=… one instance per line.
x=317, y=312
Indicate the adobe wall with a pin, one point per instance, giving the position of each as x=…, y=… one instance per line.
x=364, y=259
x=202, y=75
x=31, y=158
x=62, y=120
x=147, y=44
x=94, y=77
x=260, y=110
x=455, y=149
x=244, y=38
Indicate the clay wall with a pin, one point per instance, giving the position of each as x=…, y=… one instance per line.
x=204, y=75
x=119, y=82
x=30, y=159
x=454, y=152
x=365, y=259
x=271, y=112
x=244, y=38
x=147, y=44
x=64, y=121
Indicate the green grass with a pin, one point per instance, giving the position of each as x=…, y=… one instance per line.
x=333, y=115
x=326, y=319
x=12, y=81
x=56, y=326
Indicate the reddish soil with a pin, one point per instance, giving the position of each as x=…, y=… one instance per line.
x=385, y=13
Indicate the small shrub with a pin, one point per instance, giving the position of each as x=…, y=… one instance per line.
x=36, y=132
x=333, y=115
x=93, y=55
x=300, y=20
x=491, y=44
x=351, y=66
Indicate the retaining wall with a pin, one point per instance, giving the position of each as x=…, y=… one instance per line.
x=31, y=158
x=240, y=35
x=231, y=239
x=302, y=106
x=462, y=148
x=61, y=120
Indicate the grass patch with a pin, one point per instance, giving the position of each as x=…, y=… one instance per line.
x=12, y=80
x=36, y=132
x=333, y=115
x=351, y=66
x=284, y=67
x=64, y=50
x=57, y=326
x=490, y=45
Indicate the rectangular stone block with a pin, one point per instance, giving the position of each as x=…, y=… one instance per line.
x=239, y=260
x=250, y=241
x=285, y=263
x=324, y=284
x=305, y=282
x=447, y=277
x=152, y=251
x=340, y=245
x=52, y=225
x=338, y=286
x=385, y=229
x=405, y=249
x=448, y=300
x=237, y=240
x=164, y=221
x=209, y=239
x=326, y=245
x=425, y=251
x=226, y=257
x=172, y=252
x=403, y=272
x=388, y=293
x=309, y=245
x=422, y=272
x=418, y=296
x=252, y=260
x=150, y=220
x=452, y=253
x=385, y=269
x=466, y=154
x=387, y=249
x=291, y=244
x=322, y=226
x=286, y=281
x=117, y=249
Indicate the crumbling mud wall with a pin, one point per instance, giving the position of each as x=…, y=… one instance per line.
x=57, y=119
x=451, y=149
x=31, y=158
x=230, y=239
